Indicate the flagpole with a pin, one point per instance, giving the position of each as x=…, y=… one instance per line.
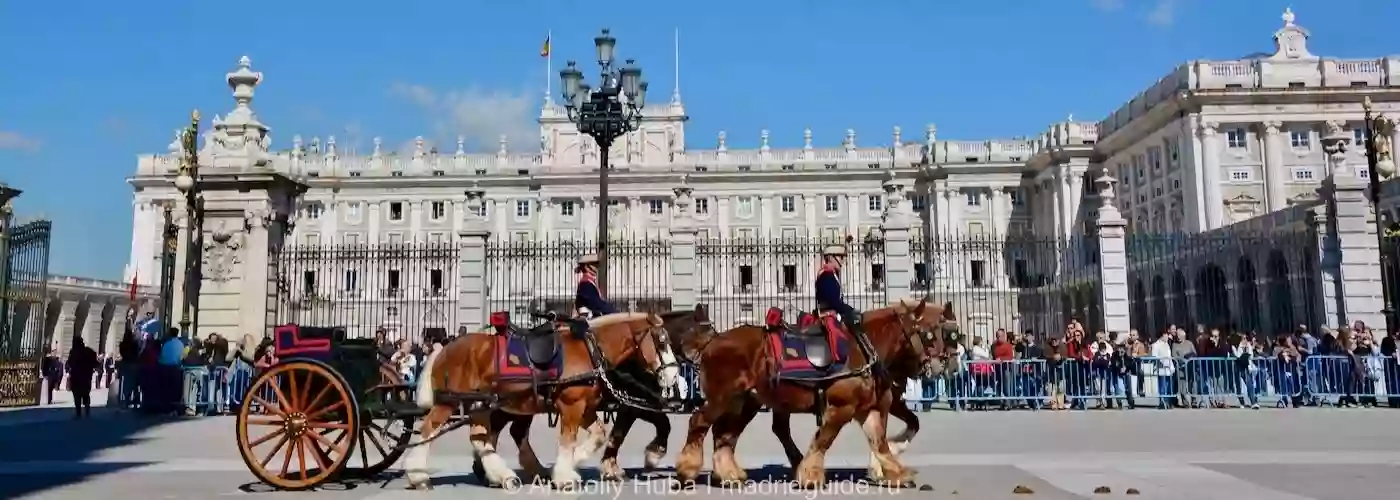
x=549, y=67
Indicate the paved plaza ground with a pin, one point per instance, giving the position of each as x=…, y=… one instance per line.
x=1182, y=454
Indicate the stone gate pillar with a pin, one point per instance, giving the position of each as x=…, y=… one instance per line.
x=684, y=285
x=473, y=289
x=1114, y=298
x=1351, y=254
x=899, y=264
x=248, y=212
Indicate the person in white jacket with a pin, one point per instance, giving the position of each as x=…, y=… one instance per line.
x=1164, y=368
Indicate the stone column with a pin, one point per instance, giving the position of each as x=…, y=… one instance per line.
x=117, y=327
x=1210, y=170
x=376, y=217
x=92, y=326
x=1114, y=298
x=899, y=266
x=472, y=287
x=66, y=326
x=588, y=218
x=1275, y=173
x=1353, y=254
x=684, y=282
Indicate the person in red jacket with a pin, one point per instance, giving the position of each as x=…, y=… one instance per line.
x=1077, y=366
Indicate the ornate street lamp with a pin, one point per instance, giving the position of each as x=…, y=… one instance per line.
x=187, y=181
x=605, y=114
x=1380, y=163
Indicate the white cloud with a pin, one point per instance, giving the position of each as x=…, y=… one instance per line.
x=1160, y=13
x=1163, y=13
x=481, y=116
x=19, y=142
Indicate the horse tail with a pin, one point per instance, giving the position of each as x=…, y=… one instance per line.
x=424, y=394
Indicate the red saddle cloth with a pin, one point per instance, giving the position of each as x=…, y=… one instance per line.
x=791, y=350
x=513, y=361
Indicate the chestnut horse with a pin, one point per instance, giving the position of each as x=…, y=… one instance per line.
x=902, y=355
x=689, y=332
x=753, y=377
x=467, y=369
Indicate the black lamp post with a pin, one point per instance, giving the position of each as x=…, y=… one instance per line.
x=187, y=181
x=605, y=114
x=1380, y=163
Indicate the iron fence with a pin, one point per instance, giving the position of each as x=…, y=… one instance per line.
x=24, y=276
x=1022, y=284
x=408, y=290
x=1264, y=283
x=520, y=274
x=740, y=278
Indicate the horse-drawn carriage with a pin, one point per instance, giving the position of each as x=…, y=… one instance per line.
x=332, y=407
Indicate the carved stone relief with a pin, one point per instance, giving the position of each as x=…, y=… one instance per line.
x=222, y=252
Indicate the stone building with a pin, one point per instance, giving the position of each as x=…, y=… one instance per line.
x=1011, y=230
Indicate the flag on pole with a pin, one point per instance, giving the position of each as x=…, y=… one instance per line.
x=544, y=50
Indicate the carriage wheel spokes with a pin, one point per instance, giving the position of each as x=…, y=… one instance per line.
x=383, y=435
x=310, y=403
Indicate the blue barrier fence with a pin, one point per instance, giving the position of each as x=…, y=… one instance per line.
x=1032, y=384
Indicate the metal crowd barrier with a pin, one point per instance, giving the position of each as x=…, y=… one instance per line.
x=1201, y=382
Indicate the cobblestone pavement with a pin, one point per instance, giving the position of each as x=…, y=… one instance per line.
x=1183, y=454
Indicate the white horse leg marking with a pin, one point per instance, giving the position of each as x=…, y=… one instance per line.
x=415, y=462
x=565, y=467
x=597, y=437
x=497, y=471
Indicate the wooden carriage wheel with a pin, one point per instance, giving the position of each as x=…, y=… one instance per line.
x=383, y=437
x=282, y=425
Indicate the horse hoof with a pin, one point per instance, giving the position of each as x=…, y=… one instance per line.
x=423, y=486
x=926, y=487
x=511, y=484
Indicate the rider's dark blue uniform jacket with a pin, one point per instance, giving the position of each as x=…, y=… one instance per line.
x=829, y=296
x=589, y=297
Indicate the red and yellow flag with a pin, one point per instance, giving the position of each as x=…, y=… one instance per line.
x=544, y=50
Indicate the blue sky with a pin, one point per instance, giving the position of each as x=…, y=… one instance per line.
x=90, y=84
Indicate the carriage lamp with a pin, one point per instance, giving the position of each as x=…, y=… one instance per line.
x=1380, y=164
x=605, y=113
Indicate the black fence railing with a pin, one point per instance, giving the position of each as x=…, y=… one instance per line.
x=739, y=279
x=1023, y=284
x=522, y=276
x=406, y=290
x=1262, y=282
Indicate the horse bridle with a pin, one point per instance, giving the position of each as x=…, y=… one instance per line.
x=916, y=336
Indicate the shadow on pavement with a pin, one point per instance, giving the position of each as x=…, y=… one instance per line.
x=44, y=448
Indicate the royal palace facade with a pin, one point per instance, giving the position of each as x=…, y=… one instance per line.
x=375, y=236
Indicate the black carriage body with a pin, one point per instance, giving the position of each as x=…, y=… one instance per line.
x=356, y=360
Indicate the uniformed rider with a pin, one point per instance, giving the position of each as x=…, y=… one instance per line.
x=828, y=288
x=588, y=300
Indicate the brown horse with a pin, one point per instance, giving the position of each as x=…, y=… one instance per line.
x=749, y=366
x=902, y=355
x=690, y=331
x=469, y=369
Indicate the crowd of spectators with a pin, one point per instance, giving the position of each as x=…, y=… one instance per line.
x=1201, y=368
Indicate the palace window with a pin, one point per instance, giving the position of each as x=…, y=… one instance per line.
x=435, y=282
x=702, y=205
x=918, y=202
x=874, y=203
x=352, y=280
x=655, y=207
x=788, y=204
x=1304, y=174
x=438, y=210
x=831, y=204
x=308, y=283
x=1241, y=174
x=1236, y=138
x=1358, y=139
x=314, y=211
x=395, y=211
x=566, y=208
x=745, y=208
x=974, y=199
x=1300, y=139
x=522, y=208
x=789, y=277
